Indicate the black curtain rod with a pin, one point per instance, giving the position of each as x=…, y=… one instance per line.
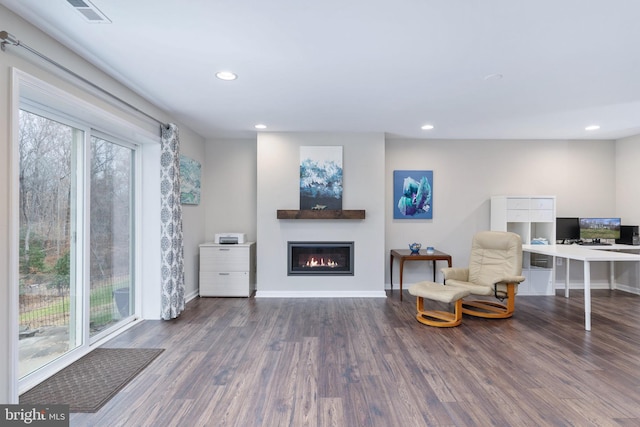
x=7, y=38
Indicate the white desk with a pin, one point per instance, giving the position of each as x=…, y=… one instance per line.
x=586, y=254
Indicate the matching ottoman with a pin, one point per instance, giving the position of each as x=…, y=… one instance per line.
x=437, y=292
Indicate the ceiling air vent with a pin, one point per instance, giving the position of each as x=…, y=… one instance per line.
x=89, y=11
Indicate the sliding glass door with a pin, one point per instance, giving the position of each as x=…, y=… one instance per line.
x=76, y=257
x=48, y=276
x=111, y=236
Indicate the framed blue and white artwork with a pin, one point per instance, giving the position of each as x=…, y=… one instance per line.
x=189, y=181
x=412, y=194
x=321, y=177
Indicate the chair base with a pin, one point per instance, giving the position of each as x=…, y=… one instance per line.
x=437, y=318
x=486, y=309
x=436, y=292
x=492, y=309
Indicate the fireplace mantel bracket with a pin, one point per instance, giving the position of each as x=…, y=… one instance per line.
x=320, y=214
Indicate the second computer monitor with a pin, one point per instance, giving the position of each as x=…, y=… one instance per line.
x=599, y=228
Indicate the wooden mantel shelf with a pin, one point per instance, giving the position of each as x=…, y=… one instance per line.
x=320, y=214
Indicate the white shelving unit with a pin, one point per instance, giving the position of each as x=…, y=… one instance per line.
x=531, y=217
x=227, y=270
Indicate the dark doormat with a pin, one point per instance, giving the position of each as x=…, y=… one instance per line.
x=88, y=383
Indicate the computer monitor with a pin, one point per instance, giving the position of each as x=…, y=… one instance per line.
x=599, y=228
x=567, y=229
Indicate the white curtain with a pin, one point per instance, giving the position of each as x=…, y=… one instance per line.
x=172, y=245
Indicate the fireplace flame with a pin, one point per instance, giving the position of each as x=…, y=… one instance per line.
x=320, y=262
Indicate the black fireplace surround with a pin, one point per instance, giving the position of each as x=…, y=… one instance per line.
x=320, y=258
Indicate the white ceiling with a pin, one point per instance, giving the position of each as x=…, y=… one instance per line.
x=369, y=65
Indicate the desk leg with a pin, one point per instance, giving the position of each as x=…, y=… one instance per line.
x=434, y=270
x=391, y=272
x=612, y=275
x=566, y=278
x=587, y=296
x=401, y=271
x=553, y=275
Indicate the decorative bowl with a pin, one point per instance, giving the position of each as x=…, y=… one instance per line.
x=415, y=247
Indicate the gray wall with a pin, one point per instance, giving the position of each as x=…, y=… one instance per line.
x=627, y=179
x=229, y=187
x=628, y=200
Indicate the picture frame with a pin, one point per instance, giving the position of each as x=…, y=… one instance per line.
x=413, y=194
x=190, y=177
x=321, y=177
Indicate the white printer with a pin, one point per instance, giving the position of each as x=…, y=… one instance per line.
x=230, y=238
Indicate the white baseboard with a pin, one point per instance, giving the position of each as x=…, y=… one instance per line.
x=191, y=295
x=619, y=287
x=320, y=294
x=626, y=288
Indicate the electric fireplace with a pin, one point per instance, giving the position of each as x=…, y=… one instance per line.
x=320, y=258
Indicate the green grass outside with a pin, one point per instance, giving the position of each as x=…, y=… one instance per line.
x=598, y=233
x=100, y=300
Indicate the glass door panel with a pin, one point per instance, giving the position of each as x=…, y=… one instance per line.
x=111, y=236
x=49, y=297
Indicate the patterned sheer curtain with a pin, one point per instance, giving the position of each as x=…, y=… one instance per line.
x=172, y=246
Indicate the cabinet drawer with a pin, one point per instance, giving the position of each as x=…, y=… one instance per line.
x=546, y=204
x=517, y=215
x=541, y=215
x=224, y=284
x=224, y=259
x=517, y=203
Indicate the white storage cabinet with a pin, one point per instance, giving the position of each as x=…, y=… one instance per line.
x=227, y=270
x=531, y=217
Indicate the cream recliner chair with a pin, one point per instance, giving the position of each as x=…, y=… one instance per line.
x=495, y=269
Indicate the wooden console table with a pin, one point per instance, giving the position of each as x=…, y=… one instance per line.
x=406, y=255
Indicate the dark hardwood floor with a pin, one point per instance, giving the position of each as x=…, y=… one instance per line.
x=368, y=362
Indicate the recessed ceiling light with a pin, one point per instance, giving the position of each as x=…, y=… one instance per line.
x=260, y=126
x=592, y=127
x=226, y=75
x=427, y=127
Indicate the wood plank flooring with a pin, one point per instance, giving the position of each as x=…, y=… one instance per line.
x=368, y=362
